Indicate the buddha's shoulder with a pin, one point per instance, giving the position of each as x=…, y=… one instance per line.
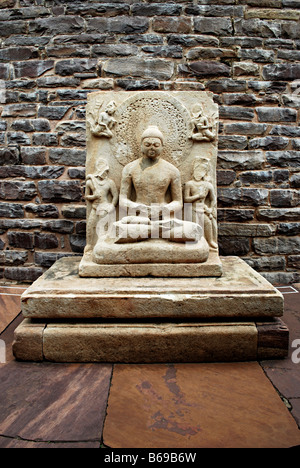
x=131, y=166
x=169, y=167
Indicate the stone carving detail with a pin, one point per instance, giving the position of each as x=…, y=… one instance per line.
x=200, y=192
x=158, y=205
x=204, y=129
x=102, y=196
x=151, y=177
x=135, y=115
x=102, y=123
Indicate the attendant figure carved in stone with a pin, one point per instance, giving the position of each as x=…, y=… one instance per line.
x=103, y=195
x=200, y=192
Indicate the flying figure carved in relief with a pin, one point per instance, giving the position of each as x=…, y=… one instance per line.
x=203, y=130
x=102, y=123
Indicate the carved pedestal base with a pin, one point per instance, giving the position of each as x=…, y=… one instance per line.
x=90, y=269
x=71, y=319
x=150, y=343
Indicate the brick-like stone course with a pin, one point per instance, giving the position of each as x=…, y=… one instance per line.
x=52, y=54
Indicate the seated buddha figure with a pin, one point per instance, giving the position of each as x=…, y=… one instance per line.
x=151, y=197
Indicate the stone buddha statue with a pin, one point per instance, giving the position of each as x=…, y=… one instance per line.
x=151, y=197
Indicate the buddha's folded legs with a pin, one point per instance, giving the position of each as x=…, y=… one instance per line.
x=133, y=229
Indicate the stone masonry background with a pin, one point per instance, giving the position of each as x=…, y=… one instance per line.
x=53, y=53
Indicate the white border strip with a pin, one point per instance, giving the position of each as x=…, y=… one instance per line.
x=290, y=289
x=10, y=294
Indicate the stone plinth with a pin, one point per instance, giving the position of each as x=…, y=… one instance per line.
x=149, y=342
x=240, y=293
x=73, y=319
x=212, y=267
x=121, y=342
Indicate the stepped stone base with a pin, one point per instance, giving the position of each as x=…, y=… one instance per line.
x=212, y=267
x=240, y=293
x=145, y=320
x=150, y=343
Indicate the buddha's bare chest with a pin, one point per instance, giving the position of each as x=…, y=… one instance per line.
x=151, y=179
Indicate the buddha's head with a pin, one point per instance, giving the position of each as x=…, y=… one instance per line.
x=152, y=142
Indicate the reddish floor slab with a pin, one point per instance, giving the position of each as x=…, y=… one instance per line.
x=53, y=402
x=8, y=336
x=287, y=381
x=196, y=406
x=285, y=373
x=295, y=404
x=10, y=304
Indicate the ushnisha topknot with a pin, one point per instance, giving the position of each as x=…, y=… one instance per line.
x=153, y=132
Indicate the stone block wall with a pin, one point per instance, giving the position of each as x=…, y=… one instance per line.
x=53, y=53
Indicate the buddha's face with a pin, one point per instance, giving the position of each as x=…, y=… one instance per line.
x=152, y=147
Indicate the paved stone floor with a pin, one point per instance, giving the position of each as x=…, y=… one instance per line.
x=47, y=405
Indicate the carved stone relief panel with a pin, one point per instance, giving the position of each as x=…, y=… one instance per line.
x=151, y=179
